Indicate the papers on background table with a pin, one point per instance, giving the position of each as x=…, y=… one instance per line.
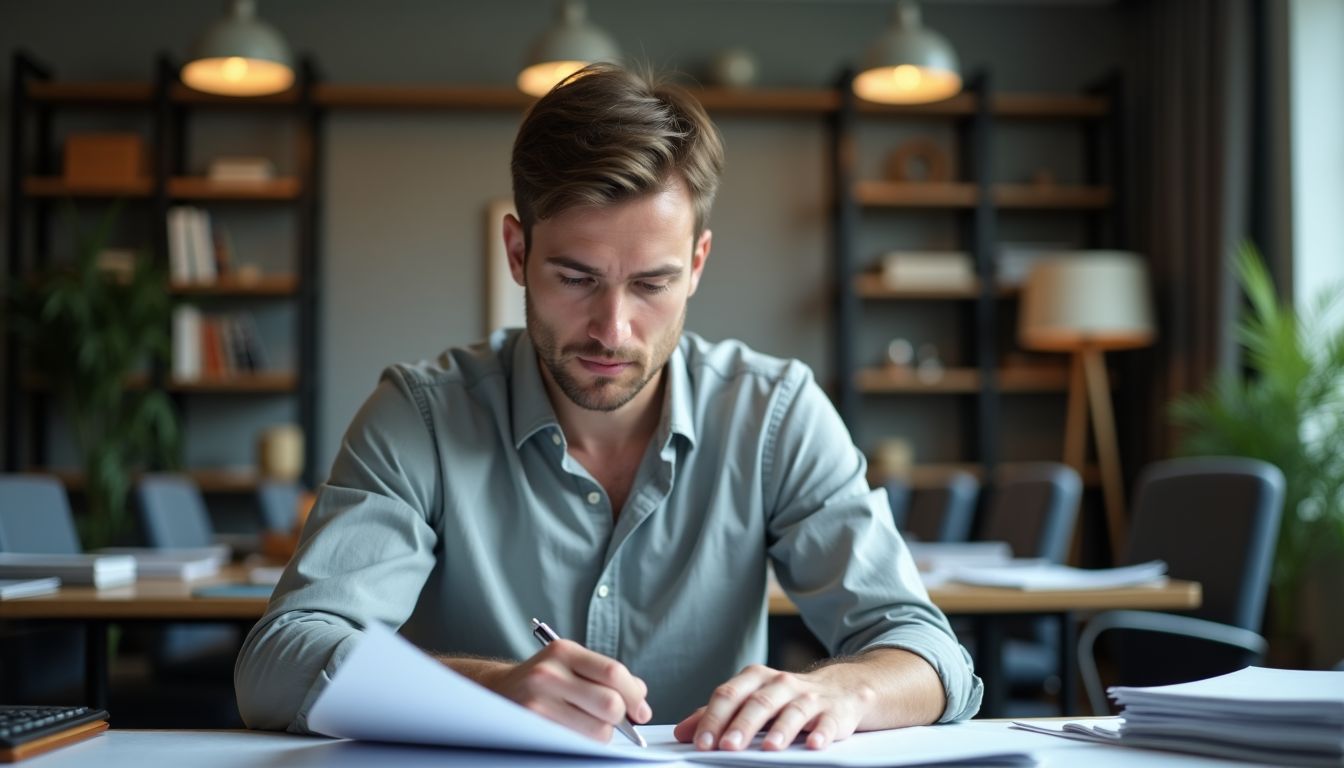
x=1277, y=716
x=97, y=570
x=1035, y=575
x=180, y=564
x=387, y=690
x=11, y=589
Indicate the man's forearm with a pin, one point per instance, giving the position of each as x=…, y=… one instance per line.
x=901, y=687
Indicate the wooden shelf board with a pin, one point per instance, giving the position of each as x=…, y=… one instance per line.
x=869, y=285
x=240, y=384
x=891, y=380
x=801, y=101
x=208, y=480
x=201, y=188
x=932, y=474
x=1013, y=105
x=266, y=285
x=57, y=187
x=966, y=195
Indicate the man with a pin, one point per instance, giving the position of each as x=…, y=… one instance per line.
x=616, y=477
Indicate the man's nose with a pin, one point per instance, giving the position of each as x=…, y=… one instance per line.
x=610, y=323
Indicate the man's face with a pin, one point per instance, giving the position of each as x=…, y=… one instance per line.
x=606, y=291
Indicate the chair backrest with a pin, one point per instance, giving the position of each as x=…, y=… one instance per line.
x=943, y=512
x=1214, y=520
x=35, y=516
x=278, y=502
x=172, y=512
x=1034, y=509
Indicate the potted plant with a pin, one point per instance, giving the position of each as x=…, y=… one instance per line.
x=89, y=331
x=1287, y=408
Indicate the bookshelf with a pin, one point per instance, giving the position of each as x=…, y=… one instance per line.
x=986, y=382
x=170, y=110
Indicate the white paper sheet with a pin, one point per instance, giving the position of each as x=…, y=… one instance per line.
x=1035, y=575
x=387, y=690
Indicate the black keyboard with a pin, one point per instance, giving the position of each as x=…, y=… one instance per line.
x=20, y=725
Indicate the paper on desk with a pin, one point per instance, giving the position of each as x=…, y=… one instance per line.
x=1036, y=575
x=387, y=690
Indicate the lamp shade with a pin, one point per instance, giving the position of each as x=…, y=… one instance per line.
x=909, y=64
x=240, y=55
x=568, y=45
x=1089, y=299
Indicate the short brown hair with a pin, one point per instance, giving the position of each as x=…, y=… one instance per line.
x=605, y=135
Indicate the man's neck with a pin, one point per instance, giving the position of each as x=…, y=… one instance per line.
x=599, y=433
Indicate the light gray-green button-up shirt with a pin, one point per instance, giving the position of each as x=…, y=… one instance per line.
x=454, y=512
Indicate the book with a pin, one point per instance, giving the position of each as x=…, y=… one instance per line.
x=11, y=589
x=928, y=269
x=241, y=169
x=186, y=342
x=97, y=570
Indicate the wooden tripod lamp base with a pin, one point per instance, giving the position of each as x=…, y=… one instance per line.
x=1086, y=303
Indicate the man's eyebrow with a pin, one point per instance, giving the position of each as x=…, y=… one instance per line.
x=668, y=270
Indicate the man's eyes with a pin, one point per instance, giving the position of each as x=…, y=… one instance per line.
x=648, y=287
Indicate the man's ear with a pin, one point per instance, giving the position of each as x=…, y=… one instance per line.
x=516, y=247
x=699, y=257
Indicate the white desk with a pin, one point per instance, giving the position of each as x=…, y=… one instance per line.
x=249, y=749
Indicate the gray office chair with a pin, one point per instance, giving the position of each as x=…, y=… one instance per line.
x=173, y=515
x=35, y=518
x=278, y=503
x=943, y=512
x=1034, y=509
x=1213, y=520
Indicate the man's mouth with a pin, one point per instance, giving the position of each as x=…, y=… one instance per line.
x=603, y=367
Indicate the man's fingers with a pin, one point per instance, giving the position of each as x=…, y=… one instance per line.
x=604, y=674
x=824, y=731
x=795, y=715
x=725, y=702
x=685, y=730
x=762, y=705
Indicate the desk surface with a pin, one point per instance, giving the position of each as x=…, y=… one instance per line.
x=251, y=749
x=173, y=600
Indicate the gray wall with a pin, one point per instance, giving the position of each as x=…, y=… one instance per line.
x=405, y=193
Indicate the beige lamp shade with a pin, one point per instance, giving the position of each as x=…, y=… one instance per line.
x=1088, y=299
x=240, y=55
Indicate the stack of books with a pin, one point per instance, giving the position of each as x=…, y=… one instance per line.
x=1271, y=716
x=215, y=346
x=184, y=564
x=198, y=252
x=13, y=589
x=96, y=570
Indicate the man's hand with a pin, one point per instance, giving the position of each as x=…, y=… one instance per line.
x=884, y=688
x=565, y=682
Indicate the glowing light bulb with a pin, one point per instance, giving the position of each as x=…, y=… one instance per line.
x=906, y=77
x=234, y=69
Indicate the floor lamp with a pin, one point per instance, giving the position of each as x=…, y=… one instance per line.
x=1086, y=304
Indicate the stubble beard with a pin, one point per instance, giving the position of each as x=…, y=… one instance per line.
x=605, y=394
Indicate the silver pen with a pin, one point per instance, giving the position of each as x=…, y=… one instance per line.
x=545, y=635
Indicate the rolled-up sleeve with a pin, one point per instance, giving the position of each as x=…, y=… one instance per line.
x=364, y=555
x=836, y=550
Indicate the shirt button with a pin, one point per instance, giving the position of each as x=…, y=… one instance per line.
x=602, y=591
x=594, y=497
x=555, y=438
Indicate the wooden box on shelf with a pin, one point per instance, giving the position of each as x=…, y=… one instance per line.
x=105, y=159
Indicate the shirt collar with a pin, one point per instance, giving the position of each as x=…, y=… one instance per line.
x=531, y=406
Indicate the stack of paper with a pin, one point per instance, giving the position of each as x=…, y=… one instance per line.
x=11, y=589
x=185, y=564
x=98, y=570
x=1276, y=716
x=1037, y=575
